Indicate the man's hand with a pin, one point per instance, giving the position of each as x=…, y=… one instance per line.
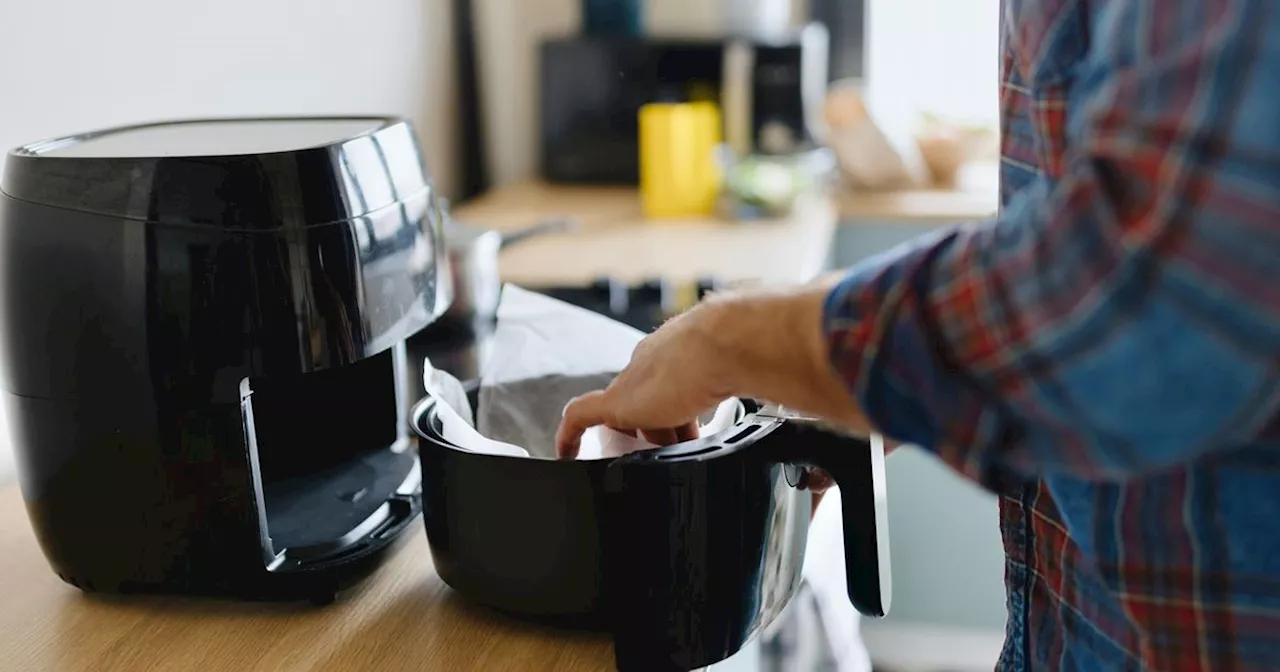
x=676, y=374
x=762, y=345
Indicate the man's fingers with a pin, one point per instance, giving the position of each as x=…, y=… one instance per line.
x=660, y=437
x=580, y=414
x=592, y=409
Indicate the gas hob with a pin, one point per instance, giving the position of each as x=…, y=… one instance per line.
x=644, y=306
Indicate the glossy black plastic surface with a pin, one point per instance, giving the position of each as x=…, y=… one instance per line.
x=230, y=174
x=518, y=535
x=232, y=330
x=684, y=553
x=673, y=560
x=694, y=542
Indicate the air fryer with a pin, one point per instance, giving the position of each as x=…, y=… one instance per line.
x=203, y=343
x=683, y=553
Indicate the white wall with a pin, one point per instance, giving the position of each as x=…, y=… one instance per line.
x=939, y=56
x=74, y=65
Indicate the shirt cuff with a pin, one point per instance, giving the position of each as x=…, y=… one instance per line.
x=884, y=344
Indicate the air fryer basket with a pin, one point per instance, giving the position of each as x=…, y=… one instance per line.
x=684, y=553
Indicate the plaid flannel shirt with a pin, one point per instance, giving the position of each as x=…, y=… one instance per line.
x=1105, y=354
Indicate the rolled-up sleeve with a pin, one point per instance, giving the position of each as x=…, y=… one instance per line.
x=1122, y=317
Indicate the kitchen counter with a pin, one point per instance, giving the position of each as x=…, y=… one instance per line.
x=919, y=205
x=402, y=617
x=976, y=195
x=611, y=238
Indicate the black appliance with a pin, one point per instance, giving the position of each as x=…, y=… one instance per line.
x=203, y=361
x=770, y=90
x=683, y=553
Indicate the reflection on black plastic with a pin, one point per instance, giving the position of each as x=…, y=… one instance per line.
x=691, y=544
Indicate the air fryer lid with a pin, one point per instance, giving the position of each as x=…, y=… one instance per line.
x=266, y=173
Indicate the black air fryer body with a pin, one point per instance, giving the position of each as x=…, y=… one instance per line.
x=203, y=361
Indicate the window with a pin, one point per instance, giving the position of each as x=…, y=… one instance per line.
x=936, y=56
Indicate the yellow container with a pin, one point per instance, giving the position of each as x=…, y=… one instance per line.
x=679, y=172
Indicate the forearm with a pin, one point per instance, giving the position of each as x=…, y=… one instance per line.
x=773, y=347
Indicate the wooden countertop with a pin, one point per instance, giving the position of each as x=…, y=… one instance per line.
x=976, y=195
x=402, y=617
x=612, y=238
x=921, y=205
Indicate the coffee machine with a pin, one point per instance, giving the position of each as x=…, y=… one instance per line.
x=769, y=89
x=202, y=349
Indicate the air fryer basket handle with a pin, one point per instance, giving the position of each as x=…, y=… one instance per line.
x=856, y=464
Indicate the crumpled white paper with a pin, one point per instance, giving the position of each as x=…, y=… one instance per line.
x=602, y=442
x=538, y=337
x=457, y=425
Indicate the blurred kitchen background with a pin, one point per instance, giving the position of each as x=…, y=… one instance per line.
x=902, y=129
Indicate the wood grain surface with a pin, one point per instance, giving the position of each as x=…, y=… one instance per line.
x=976, y=195
x=612, y=238
x=924, y=205
x=402, y=618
